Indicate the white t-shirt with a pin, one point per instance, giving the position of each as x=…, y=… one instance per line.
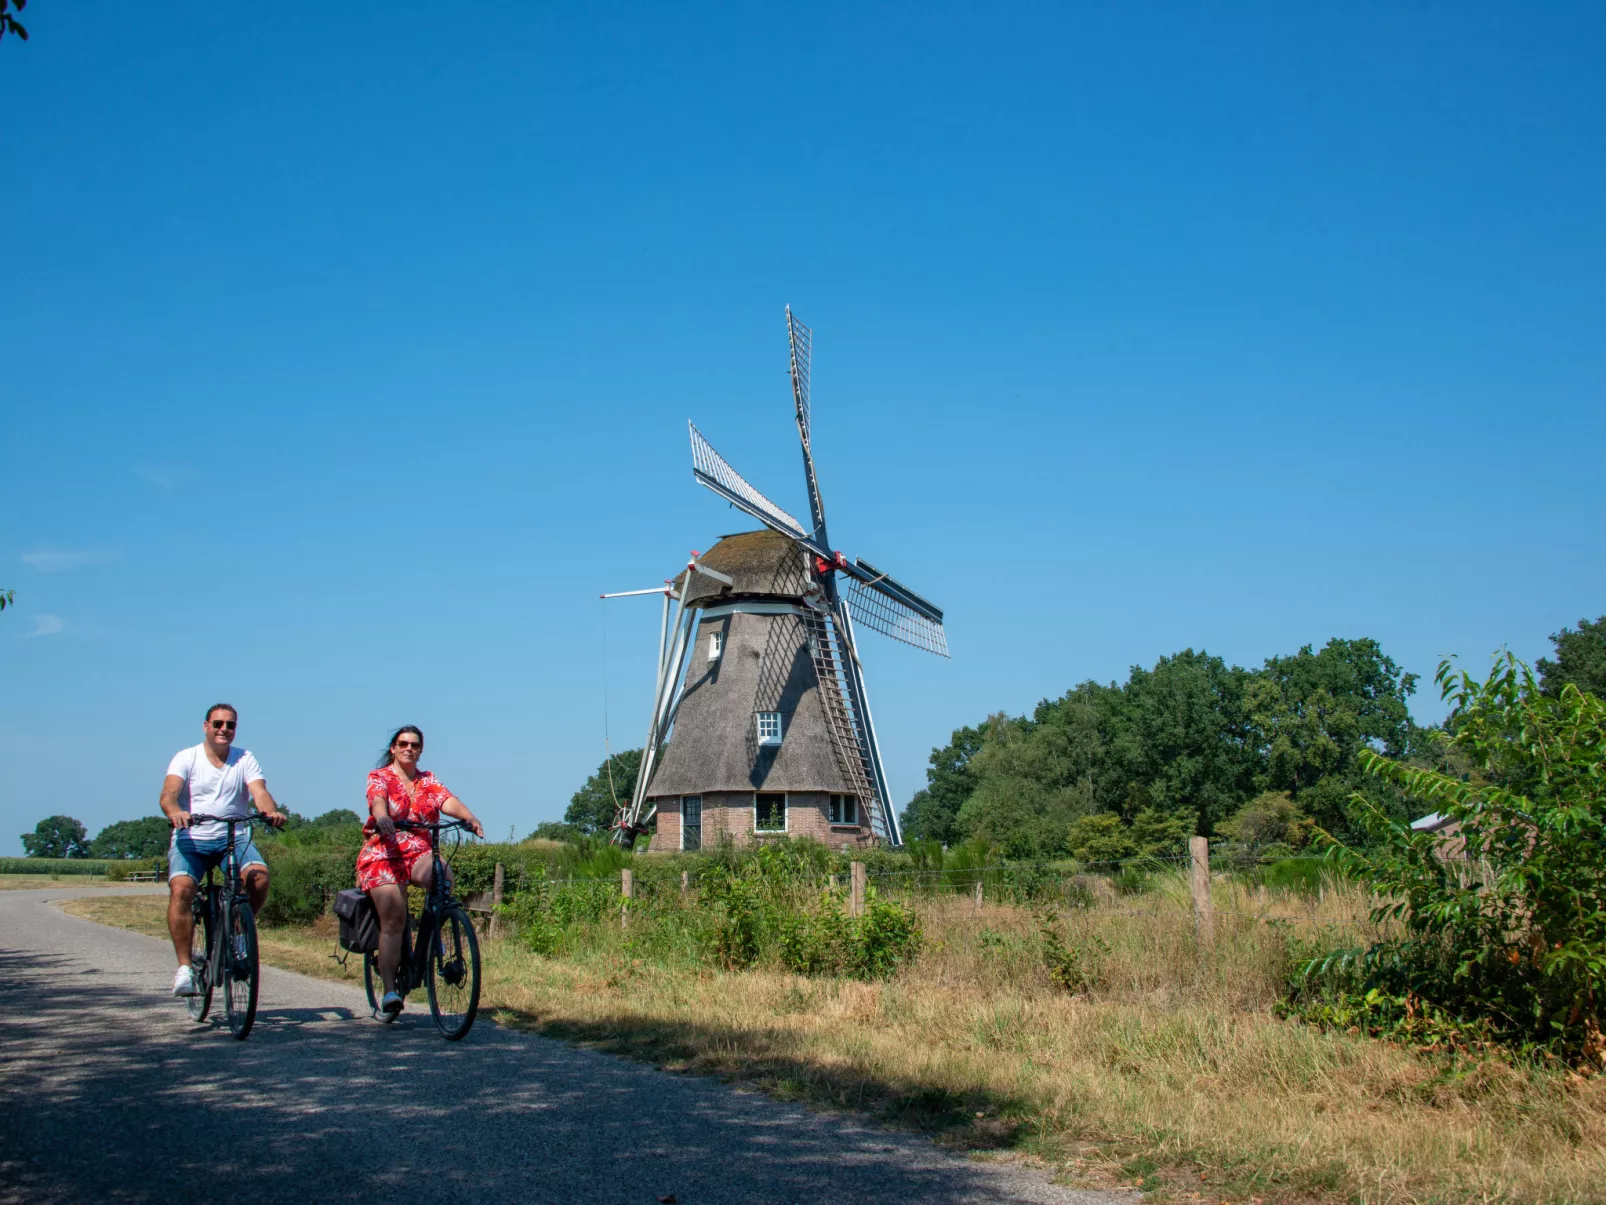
x=214, y=790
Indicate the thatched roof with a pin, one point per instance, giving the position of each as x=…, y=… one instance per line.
x=765, y=666
x=764, y=564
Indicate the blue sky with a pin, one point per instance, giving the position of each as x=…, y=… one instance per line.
x=348, y=353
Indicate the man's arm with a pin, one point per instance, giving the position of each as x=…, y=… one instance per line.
x=171, y=786
x=264, y=801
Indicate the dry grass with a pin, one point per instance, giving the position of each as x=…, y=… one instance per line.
x=1172, y=1073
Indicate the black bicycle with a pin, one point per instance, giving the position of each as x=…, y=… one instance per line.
x=443, y=955
x=223, y=949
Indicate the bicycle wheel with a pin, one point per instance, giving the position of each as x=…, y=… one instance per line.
x=200, y=959
x=453, y=973
x=372, y=983
x=240, y=970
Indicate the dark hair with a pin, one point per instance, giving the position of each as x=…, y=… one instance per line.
x=228, y=707
x=387, y=756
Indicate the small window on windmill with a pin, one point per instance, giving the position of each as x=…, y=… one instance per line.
x=716, y=645
x=844, y=810
x=769, y=813
x=691, y=822
x=769, y=728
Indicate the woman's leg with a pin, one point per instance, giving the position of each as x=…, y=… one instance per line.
x=423, y=872
x=390, y=902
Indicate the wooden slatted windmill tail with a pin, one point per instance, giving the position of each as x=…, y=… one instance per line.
x=761, y=719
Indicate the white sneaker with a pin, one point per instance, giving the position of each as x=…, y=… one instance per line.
x=185, y=982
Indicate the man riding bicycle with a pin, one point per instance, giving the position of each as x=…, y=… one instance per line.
x=206, y=786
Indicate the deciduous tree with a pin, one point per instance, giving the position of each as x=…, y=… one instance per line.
x=56, y=837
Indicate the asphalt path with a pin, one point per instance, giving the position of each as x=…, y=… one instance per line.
x=109, y=1092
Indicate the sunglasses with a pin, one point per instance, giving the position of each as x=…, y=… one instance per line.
x=228, y=724
x=409, y=744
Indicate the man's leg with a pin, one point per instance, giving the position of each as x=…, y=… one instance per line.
x=180, y=918
x=256, y=885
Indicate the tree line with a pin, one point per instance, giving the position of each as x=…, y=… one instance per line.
x=147, y=837
x=1194, y=745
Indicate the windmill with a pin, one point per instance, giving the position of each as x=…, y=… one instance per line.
x=778, y=709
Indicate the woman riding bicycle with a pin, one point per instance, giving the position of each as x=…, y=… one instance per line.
x=391, y=858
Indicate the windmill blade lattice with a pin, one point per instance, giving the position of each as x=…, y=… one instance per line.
x=882, y=613
x=802, y=341
x=710, y=468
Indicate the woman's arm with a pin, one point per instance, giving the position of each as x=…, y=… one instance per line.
x=379, y=808
x=458, y=810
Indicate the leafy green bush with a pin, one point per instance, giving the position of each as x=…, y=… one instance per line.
x=1505, y=922
x=1074, y=968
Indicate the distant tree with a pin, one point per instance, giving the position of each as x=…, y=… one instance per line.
x=933, y=812
x=554, y=830
x=593, y=807
x=9, y=23
x=337, y=818
x=146, y=837
x=56, y=837
x=1271, y=818
x=1580, y=659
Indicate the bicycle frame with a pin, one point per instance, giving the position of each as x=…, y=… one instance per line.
x=215, y=906
x=220, y=900
x=416, y=946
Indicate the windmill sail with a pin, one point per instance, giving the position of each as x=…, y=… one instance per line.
x=710, y=468
x=801, y=340
x=881, y=605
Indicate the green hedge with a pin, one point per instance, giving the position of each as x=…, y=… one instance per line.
x=118, y=870
x=52, y=866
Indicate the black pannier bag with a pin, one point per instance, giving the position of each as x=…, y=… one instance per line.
x=359, y=923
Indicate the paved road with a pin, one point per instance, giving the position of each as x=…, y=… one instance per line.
x=108, y=1092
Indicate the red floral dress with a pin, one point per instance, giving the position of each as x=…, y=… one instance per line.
x=391, y=861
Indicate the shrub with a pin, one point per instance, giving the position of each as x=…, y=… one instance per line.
x=1507, y=923
x=1074, y=968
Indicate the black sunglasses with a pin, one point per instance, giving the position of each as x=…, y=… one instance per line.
x=409, y=744
x=230, y=724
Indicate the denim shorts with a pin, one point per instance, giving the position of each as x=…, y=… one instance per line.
x=188, y=856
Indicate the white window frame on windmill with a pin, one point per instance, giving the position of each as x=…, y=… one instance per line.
x=839, y=808
x=716, y=645
x=786, y=814
x=770, y=727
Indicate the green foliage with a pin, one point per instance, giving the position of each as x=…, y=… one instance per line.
x=1072, y=967
x=1271, y=821
x=1513, y=933
x=146, y=837
x=932, y=815
x=1191, y=736
x=1101, y=838
x=554, y=830
x=594, y=806
x=1580, y=660
x=7, y=597
x=56, y=837
x=10, y=24
x=52, y=866
x=1105, y=838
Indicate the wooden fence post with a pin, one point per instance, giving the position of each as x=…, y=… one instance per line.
x=834, y=883
x=978, y=897
x=497, y=880
x=856, y=898
x=1204, y=917
x=685, y=884
x=627, y=890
